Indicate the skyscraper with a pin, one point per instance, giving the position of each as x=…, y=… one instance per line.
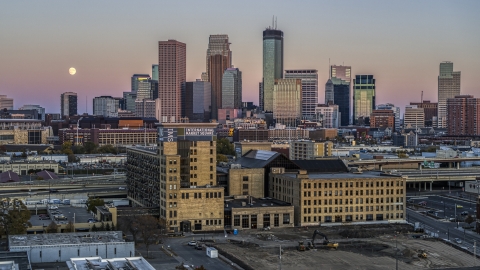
x=414, y=117
x=136, y=78
x=448, y=87
x=272, y=64
x=143, y=88
x=363, y=98
x=463, y=112
x=68, y=104
x=154, y=81
x=171, y=78
x=232, y=89
x=431, y=111
x=219, y=58
x=329, y=93
x=106, y=106
x=341, y=79
x=396, y=111
x=198, y=98
x=287, y=101
x=309, y=79
x=6, y=103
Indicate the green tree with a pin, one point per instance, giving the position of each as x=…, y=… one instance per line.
x=78, y=149
x=52, y=227
x=224, y=147
x=107, y=149
x=221, y=158
x=90, y=147
x=94, y=202
x=94, y=228
x=14, y=217
x=67, y=148
x=469, y=219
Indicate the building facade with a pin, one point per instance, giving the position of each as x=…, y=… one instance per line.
x=363, y=97
x=329, y=93
x=448, y=87
x=115, y=137
x=431, y=111
x=106, y=106
x=463, y=114
x=68, y=104
x=38, y=108
x=287, y=101
x=232, y=89
x=414, y=117
x=309, y=78
x=23, y=131
x=382, y=119
x=246, y=181
x=272, y=65
x=146, y=108
x=396, y=111
x=198, y=100
x=341, y=79
x=328, y=115
x=171, y=79
x=305, y=149
x=6, y=103
x=342, y=197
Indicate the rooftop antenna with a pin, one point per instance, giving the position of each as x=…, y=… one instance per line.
x=329, y=69
x=275, y=23
x=86, y=110
x=421, y=99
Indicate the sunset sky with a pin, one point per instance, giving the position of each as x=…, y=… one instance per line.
x=400, y=42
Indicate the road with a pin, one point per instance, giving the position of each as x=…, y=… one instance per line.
x=445, y=229
x=447, y=206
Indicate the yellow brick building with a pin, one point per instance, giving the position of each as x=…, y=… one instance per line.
x=339, y=197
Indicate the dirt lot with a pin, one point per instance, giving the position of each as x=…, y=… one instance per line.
x=370, y=248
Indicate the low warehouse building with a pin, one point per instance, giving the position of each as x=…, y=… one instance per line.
x=61, y=247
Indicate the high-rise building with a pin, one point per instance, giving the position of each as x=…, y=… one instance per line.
x=414, y=117
x=448, y=87
x=287, y=102
x=260, y=96
x=272, y=64
x=382, y=118
x=129, y=101
x=38, y=108
x=106, y=106
x=329, y=93
x=232, y=89
x=198, y=98
x=341, y=79
x=309, y=79
x=396, y=111
x=172, y=75
x=155, y=72
x=145, y=108
x=154, y=81
x=219, y=58
x=328, y=115
x=6, y=103
x=363, y=98
x=430, y=109
x=463, y=112
x=144, y=88
x=136, y=78
x=68, y=104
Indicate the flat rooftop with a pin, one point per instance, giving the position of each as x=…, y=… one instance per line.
x=254, y=202
x=349, y=175
x=65, y=238
x=117, y=263
x=81, y=216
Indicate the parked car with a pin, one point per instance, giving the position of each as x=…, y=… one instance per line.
x=192, y=243
x=122, y=188
x=54, y=207
x=423, y=203
x=464, y=213
x=458, y=241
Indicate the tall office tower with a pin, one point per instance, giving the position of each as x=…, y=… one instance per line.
x=136, y=78
x=204, y=77
x=154, y=81
x=198, y=98
x=414, y=117
x=363, y=98
x=382, y=118
x=309, y=79
x=328, y=115
x=219, y=58
x=145, y=108
x=129, y=101
x=106, y=106
x=448, y=87
x=272, y=64
x=172, y=74
x=144, y=88
x=232, y=89
x=6, y=103
x=396, y=111
x=329, y=93
x=68, y=104
x=287, y=101
x=341, y=79
x=430, y=109
x=260, y=96
x=38, y=108
x=463, y=112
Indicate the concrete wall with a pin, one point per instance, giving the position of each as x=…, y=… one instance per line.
x=64, y=252
x=203, y=210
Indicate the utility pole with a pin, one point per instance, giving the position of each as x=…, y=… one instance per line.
x=474, y=252
x=396, y=252
x=280, y=258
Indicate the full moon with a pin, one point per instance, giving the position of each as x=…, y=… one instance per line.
x=72, y=71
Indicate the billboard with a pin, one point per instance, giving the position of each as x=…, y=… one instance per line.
x=188, y=134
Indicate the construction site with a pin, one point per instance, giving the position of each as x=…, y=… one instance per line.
x=343, y=247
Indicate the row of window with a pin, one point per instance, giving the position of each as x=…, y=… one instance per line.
x=339, y=218
x=251, y=221
x=78, y=252
x=357, y=184
x=350, y=201
x=352, y=209
x=198, y=195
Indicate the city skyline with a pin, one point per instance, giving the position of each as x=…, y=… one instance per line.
x=41, y=43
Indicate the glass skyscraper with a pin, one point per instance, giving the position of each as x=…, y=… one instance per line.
x=340, y=78
x=272, y=64
x=363, y=98
x=232, y=89
x=448, y=87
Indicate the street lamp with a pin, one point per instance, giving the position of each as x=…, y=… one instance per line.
x=78, y=126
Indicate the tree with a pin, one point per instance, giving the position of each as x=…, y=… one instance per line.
x=52, y=227
x=129, y=224
x=14, y=217
x=107, y=149
x=113, y=227
x=78, y=149
x=149, y=229
x=39, y=178
x=102, y=227
x=221, y=158
x=107, y=227
x=92, y=203
x=469, y=219
x=90, y=147
x=94, y=228
x=67, y=148
x=70, y=227
x=225, y=147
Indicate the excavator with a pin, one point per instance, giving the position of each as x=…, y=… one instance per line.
x=325, y=242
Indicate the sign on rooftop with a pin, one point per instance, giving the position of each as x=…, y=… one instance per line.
x=189, y=134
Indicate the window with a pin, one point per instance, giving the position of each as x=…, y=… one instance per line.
x=245, y=178
x=266, y=220
x=245, y=221
x=276, y=221
x=236, y=220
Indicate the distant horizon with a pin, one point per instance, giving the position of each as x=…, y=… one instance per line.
x=401, y=44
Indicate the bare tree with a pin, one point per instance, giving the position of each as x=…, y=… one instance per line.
x=129, y=224
x=149, y=229
x=14, y=217
x=70, y=227
x=52, y=227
